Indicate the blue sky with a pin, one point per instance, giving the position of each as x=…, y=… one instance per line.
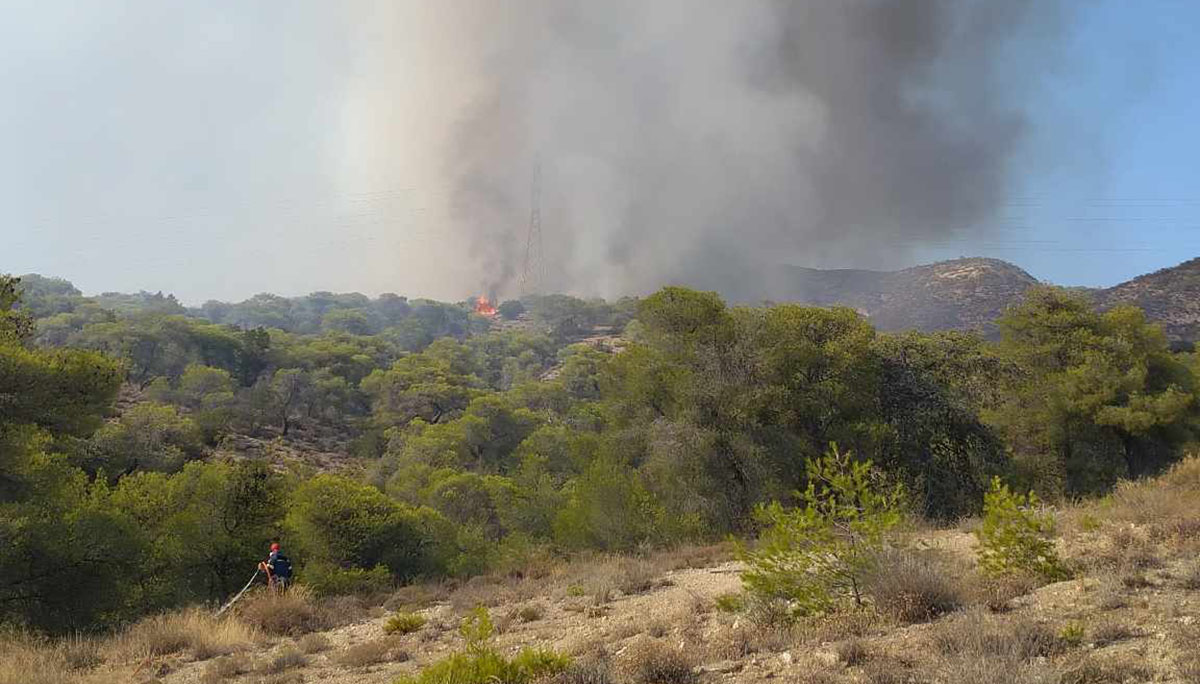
x=164, y=145
x=1109, y=185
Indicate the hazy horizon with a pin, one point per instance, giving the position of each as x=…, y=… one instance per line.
x=219, y=151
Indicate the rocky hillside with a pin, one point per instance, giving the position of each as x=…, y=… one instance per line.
x=1170, y=296
x=958, y=294
x=972, y=293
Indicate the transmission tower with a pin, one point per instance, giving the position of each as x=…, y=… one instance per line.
x=533, y=274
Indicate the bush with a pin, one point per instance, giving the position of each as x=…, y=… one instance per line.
x=289, y=613
x=371, y=653
x=328, y=580
x=287, y=659
x=1111, y=633
x=193, y=630
x=223, y=669
x=403, y=623
x=481, y=664
x=313, y=643
x=1015, y=537
x=654, y=662
x=853, y=652
x=812, y=556
x=732, y=602
x=912, y=587
x=531, y=612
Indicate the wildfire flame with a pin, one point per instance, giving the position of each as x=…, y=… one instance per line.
x=484, y=307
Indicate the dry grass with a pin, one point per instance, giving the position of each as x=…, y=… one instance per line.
x=1190, y=581
x=1141, y=520
x=25, y=659
x=195, y=631
x=655, y=662
x=911, y=586
x=998, y=593
x=852, y=652
x=337, y=611
x=531, y=612
x=1187, y=654
x=313, y=643
x=975, y=634
x=289, y=658
x=1111, y=633
x=372, y=652
x=226, y=668
x=1091, y=669
x=585, y=671
x=291, y=613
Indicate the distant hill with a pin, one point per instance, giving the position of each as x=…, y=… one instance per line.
x=1170, y=296
x=972, y=293
x=957, y=294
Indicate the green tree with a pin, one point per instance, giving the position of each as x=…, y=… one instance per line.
x=342, y=523
x=813, y=556
x=1016, y=537
x=1098, y=397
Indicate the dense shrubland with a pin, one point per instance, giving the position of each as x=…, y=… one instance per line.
x=473, y=446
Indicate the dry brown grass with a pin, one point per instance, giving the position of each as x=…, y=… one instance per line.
x=372, y=652
x=288, y=658
x=291, y=613
x=313, y=643
x=852, y=652
x=1093, y=669
x=1142, y=520
x=226, y=668
x=1187, y=653
x=1111, y=633
x=653, y=661
x=25, y=659
x=976, y=634
x=195, y=631
x=911, y=586
x=594, y=670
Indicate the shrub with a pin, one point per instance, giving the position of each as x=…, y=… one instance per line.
x=287, y=659
x=403, y=623
x=193, y=630
x=853, y=652
x=732, y=602
x=224, y=669
x=328, y=580
x=313, y=643
x=289, y=613
x=1111, y=633
x=481, y=664
x=1093, y=670
x=1071, y=634
x=531, y=612
x=654, y=662
x=371, y=653
x=812, y=556
x=589, y=671
x=912, y=587
x=976, y=635
x=1015, y=537
x=1191, y=579
x=486, y=666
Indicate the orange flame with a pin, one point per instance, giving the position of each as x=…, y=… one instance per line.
x=483, y=307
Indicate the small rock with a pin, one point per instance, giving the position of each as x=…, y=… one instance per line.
x=786, y=658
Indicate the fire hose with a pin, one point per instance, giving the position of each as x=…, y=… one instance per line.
x=239, y=594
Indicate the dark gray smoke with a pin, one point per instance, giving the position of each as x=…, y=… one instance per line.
x=708, y=142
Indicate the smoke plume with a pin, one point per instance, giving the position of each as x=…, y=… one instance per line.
x=709, y=142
